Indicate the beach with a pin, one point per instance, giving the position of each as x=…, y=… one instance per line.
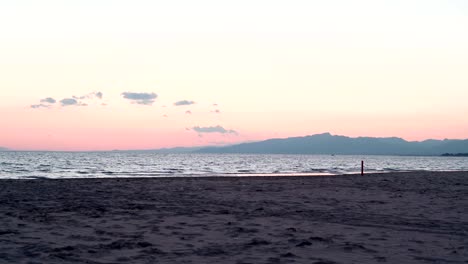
x=405, y=217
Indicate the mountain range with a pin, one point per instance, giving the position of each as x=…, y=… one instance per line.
x=329, y=144
x=332, y=144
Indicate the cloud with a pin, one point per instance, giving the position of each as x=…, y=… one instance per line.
x=92, y=95
x=216, y=111
x=188, y=112
x=140, y=98
x=44, y=103
x=48, y=100
x=40, y=106
x=184, y=102
x=213, y=129
x=71, y=102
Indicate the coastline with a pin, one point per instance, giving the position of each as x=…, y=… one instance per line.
x=238, y=175
x=403, y=217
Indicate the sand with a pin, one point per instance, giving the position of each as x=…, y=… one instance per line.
x=395, y=218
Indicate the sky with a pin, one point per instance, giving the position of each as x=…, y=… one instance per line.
x=113, y=74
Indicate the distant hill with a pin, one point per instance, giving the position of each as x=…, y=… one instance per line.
x=331, y=144
x=4, y=149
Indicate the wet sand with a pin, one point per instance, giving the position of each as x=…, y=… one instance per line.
x=395, y=218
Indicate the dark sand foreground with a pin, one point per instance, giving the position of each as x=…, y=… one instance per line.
x=393, y=218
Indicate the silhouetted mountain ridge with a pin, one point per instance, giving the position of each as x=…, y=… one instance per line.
x=327, y=143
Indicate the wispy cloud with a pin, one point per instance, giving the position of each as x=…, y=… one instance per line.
x=184, y=102
x=140, y=98
x=36, y=106
x=188, y=112
x=44, y=103
x=213, y=129
x=216, y=111
x=48, y=100
x=71, y=102
x=92, y=95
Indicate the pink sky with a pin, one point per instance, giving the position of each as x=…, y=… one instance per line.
x=100, y=128
x=274, y=69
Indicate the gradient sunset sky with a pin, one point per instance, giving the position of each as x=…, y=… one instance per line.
x=103, y=75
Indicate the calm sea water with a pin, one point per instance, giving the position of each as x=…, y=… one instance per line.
x=24, y=165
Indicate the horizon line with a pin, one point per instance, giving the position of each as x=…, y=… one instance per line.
x=7, y=149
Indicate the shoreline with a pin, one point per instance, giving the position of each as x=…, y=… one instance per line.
x=404, y=217
x=247, y=175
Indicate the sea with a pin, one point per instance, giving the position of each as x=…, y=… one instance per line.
x=57, y=165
